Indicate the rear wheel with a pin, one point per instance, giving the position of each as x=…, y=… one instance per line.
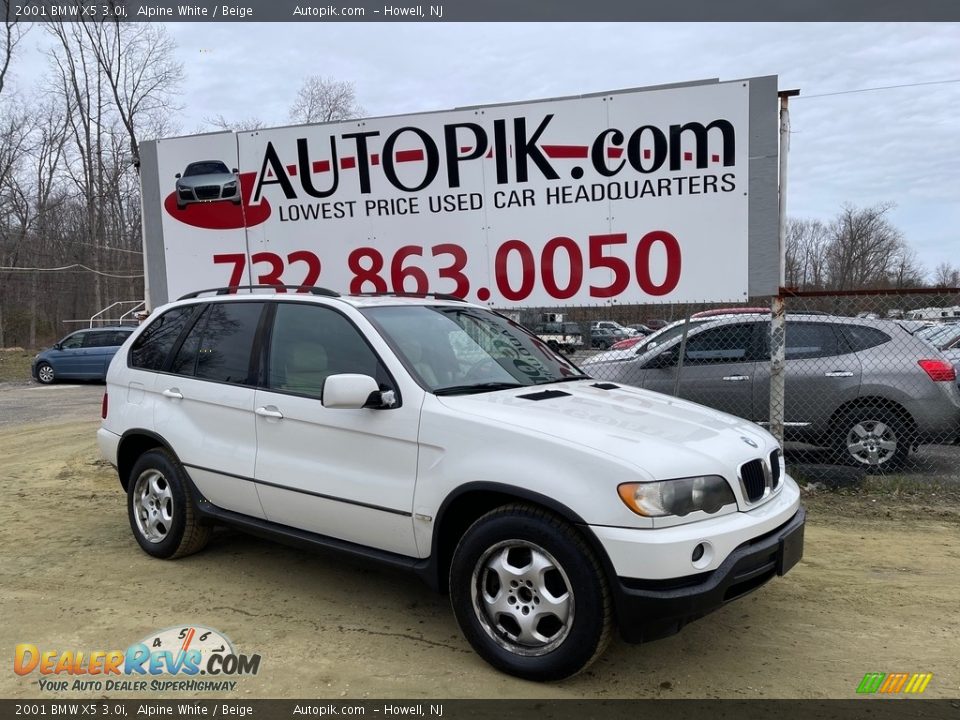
x=45, y=373
x=162, y=514
x=529, y=594
x=873, y=439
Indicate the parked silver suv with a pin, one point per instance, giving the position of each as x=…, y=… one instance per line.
x=866, y=388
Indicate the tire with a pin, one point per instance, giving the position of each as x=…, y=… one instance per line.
x=873, y=438
x=514, y=561
x=45, y=373
x=168, y=527
x=552, y=344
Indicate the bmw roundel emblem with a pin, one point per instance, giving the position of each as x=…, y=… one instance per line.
x=749, y=442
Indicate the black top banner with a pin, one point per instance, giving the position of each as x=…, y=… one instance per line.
x=480, y=10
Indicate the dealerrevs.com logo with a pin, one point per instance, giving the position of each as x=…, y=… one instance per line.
x=894, y=683
x=190, y=658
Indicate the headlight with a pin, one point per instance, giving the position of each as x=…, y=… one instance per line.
x=231, y=184
x=678, y=497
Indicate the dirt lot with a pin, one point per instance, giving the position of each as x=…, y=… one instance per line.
x=878, y=590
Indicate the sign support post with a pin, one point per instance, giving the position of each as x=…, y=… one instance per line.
x=778, y=316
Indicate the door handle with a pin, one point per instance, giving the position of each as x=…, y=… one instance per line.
x=173, y=394
x=736, y=378
x=838, y=373
x=269, y=412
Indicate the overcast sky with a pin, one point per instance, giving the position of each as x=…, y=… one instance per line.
x=899, y=145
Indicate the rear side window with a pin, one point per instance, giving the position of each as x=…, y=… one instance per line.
x=810, y=340
x=150, y=349
x=861, y=337
x=226, y=343
x=185, y=360
x=120, y=337
x=104, y=338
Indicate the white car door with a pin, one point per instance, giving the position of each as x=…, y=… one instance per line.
x=346, y=474
x=204, y=401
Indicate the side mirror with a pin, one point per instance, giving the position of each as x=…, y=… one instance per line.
x=177, y=176
x=58, y=346
x=348, y=391
x=664, y=360
x=235, y=171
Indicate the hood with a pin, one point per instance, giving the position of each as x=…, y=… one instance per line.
x=660, y=435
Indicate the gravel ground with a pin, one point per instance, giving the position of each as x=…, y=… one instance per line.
x=877, y=591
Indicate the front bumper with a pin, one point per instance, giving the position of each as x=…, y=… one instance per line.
x=651, y=609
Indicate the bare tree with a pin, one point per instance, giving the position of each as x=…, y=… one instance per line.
x=138, y=66
x=325, y=100
x=946, y=275
x=242, y=125
x=866, y=250
x=806, y=246
x=13, y=34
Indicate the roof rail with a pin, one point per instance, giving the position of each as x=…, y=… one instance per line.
x=231, y=289
x=434, y=295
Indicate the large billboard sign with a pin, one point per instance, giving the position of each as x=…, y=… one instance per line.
x=657, y=195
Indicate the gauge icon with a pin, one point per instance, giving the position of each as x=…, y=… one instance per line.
x=182, y=639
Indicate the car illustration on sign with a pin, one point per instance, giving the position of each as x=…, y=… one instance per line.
x=207, y=181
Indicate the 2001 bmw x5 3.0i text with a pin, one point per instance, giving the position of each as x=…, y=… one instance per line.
x=443, y=438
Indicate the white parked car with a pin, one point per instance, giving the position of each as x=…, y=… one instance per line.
x=442, y=438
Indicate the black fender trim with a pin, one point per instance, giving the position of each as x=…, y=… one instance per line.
x=437, y=582
x=144, y=433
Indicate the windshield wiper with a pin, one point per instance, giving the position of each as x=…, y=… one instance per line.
x=476, y=388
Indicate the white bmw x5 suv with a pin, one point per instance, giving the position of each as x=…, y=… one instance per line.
x=442, y=438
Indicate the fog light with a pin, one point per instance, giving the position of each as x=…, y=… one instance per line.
x=697, y=552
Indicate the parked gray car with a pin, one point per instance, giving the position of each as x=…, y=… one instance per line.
x=207, y=181
x=866, y=388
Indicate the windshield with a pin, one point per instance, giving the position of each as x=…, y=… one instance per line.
x=212, y=167
x=454, y=350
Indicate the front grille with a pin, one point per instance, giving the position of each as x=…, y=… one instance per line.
x=754, y=481
x=208, y=192
x=774, y=468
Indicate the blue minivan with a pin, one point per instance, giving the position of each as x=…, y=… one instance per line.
x=82, y=355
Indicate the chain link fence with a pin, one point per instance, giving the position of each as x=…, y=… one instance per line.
x=870, y=376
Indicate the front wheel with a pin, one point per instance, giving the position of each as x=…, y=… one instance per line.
x=529, y=594
x=45, y=373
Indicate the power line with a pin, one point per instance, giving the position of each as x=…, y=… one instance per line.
x=71, y=268
x=882, y=87
x=106, y=247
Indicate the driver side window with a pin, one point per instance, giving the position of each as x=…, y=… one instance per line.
x=310, y=343
x=724, y=344
x=72, y=342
